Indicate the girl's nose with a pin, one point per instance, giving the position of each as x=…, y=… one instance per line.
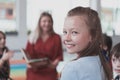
x=118, y=63
x=67, y=37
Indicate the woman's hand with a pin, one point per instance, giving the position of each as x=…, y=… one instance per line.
x=53, y=64
x=7, y=55
x=29, y=66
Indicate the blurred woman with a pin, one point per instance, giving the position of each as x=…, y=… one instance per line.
x=44, y=43
x=5, y=55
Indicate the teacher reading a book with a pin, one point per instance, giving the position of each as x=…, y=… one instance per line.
x=44, y=43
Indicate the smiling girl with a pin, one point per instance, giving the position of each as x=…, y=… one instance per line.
x=82, y=35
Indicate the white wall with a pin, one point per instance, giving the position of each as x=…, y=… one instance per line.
x=19, y=41
x=116, y=39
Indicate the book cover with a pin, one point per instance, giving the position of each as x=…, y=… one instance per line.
x=28, y=58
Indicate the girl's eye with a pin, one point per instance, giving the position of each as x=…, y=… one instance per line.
x=113, y=60
x=74, y=32
x=64, y=32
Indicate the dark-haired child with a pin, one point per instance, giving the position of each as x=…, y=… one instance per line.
x=115, y=59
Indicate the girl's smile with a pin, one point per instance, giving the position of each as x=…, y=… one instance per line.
x=69, y=46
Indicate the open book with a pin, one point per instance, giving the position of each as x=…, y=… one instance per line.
x=28, y=59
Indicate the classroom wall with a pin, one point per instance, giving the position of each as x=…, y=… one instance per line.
x=16, y=42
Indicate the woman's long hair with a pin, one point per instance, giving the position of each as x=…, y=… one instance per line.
x=92, y=20
x=37, y=33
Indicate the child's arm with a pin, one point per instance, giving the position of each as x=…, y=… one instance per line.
x=6, y=56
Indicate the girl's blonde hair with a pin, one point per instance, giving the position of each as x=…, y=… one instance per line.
x=37, y=33
x=92, y=20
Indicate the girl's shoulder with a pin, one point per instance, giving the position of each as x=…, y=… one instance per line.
x=86, y=60
x=85, y=64
x=85, y=67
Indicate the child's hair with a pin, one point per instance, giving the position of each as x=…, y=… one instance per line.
x=116, y=51
x=92, y=20
x=107, y=40
x=4, y=38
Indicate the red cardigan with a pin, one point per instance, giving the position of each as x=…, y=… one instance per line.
x=52, y=49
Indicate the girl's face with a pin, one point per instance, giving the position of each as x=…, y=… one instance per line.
x=116, y=64
x=45, y=23
x=2, y=41
x=76, y=36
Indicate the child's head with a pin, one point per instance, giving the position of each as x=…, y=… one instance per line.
x=115, y=58
x=82, y=31
x=2, y=40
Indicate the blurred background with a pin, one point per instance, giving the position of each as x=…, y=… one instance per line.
x=19, y=17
